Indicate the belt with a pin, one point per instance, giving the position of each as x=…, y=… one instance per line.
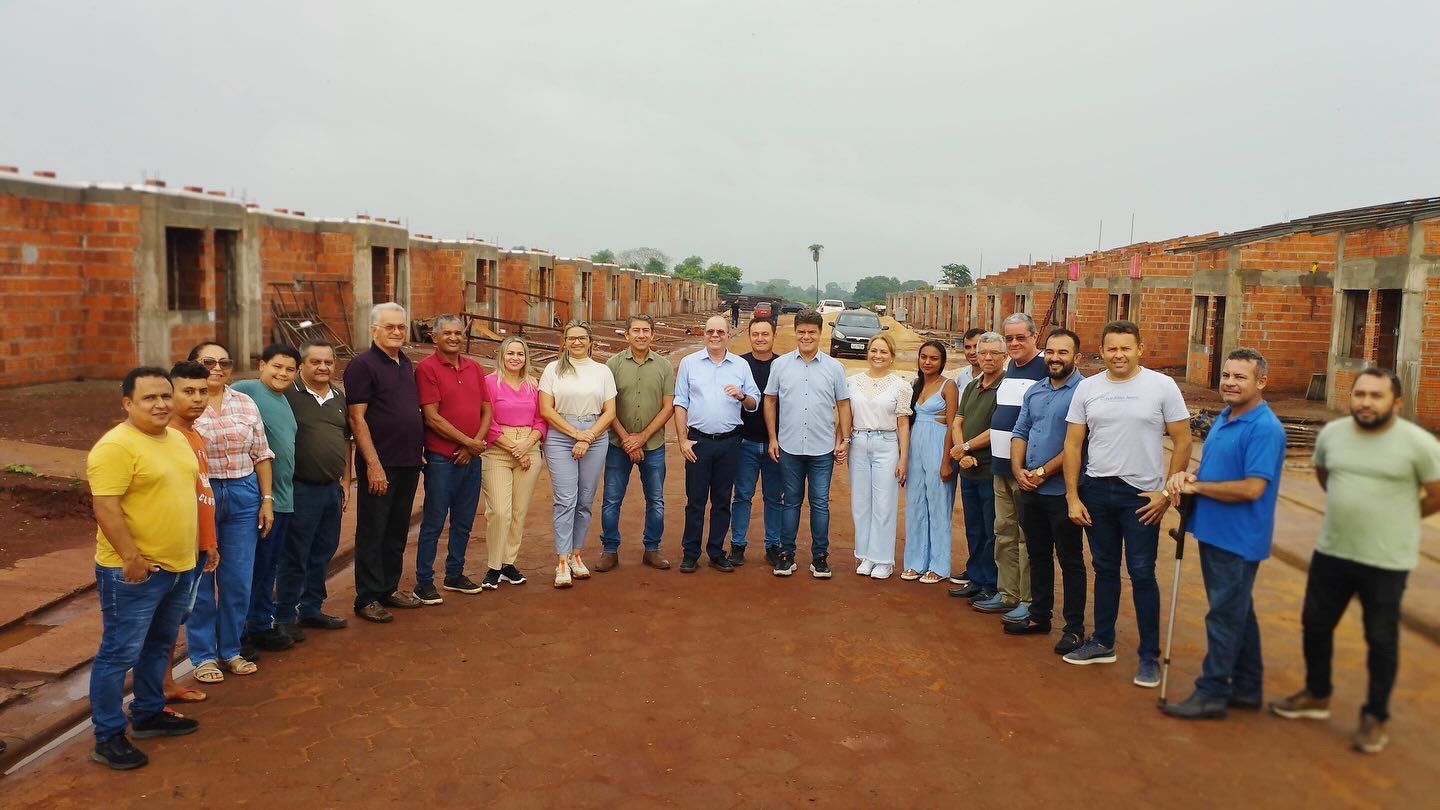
x=714, y=437
x=871, y=430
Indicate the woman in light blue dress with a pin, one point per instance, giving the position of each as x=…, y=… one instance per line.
x=930, y=480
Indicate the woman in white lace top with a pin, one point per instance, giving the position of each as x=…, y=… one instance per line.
x=879, y=451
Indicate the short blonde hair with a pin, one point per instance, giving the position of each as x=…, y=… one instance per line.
x=883, y=338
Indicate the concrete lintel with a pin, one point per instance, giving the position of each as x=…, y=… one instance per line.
x=1370, y=273
x=1302, y=279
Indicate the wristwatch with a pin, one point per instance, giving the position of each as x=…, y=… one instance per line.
x=965, y=446
x=1038, y=472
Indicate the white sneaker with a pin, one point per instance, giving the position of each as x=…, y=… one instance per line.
x=562, y=575
x=864, y=568
x=577, y=567
x=881, y=571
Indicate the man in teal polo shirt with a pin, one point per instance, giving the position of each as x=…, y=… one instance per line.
x=1233, y=518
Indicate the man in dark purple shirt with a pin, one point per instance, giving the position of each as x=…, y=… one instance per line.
x=384, y=410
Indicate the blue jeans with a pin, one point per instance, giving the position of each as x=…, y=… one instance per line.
x=140, y=622
x=977, y=500
x=1232, y=655
x=1115, y=528
x=213, y=630
x=313, y=537
x=802, y=473
x=573, y=483
x=617, y=480
x=268, y=551
x=755, y=462
x=450, y=489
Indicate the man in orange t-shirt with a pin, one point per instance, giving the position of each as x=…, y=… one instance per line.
x=192, y=394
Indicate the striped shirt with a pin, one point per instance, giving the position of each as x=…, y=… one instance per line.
x=1008, y=399
x=234, y=438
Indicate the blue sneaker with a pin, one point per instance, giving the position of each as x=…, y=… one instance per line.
x=995, y=604
x=1020, y=614
x=1091, y=652
x=1148, y=673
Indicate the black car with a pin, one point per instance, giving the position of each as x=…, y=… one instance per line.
x=791, y=306
x=852, y=331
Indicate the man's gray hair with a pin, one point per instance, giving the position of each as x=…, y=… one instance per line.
x=444, y=319
x=1019, y=317
x=1262, y=368
x=990, y=337
x=388, y=306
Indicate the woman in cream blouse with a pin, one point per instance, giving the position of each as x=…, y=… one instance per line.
x=879, y=453
x=577, y=399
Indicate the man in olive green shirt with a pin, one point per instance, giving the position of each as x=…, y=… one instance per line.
x=644, y=394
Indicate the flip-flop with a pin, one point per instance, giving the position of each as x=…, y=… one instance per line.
x=186, y=695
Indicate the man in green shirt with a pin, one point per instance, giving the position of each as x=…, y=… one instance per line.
x=644, y=396
x=971, y=453
x=1369, y=541
x=278, y=364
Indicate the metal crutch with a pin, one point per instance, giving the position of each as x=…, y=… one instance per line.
x=1187, y=502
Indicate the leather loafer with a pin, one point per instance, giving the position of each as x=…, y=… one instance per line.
x=323, y=621
x=1249, y=703
x=1196, y=707
x=402, y=600
x=966, y=592
x=688, y=565
x=1026, y=628
x=607, y=561
x=654, y=560
x=722, y=565
x=375, y=612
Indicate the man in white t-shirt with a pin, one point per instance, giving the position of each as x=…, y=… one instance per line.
x=1124, y=414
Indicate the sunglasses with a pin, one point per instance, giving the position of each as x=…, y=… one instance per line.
x=210, y=362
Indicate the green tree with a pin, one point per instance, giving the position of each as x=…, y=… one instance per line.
x=914, y=284
x=834, y=290
x=956, y=274
x=644, y=258
x=606, y=256
x=872, y=289
x=724, y=276
x=691, y=267
x=655, y=266
x=815, y=257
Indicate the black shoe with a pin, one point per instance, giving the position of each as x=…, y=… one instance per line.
x=1196, y=707
x=492, y=580
x=322, y=621
x=982, y=596
x=820, y=567
x=784, y=564
x=966, y=592
x=772, y=556
x=248, y=651
x=375, y=612
x=737, y=555
x=462, y=583
x=962, y=579
x=688, y=565
x=118, y=753
x=1028, y=627
x=163, y=724
x=1069, y=642
x=291, y=631
x=721, y=564
x=511, y=575
x=426, y=593
x=272, y=640
x=1249, y=703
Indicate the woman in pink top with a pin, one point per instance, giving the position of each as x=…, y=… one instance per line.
x=511, y=465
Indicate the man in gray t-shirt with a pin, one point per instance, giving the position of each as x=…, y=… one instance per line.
x=1119, y=496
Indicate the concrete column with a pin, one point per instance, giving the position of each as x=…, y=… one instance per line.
x=152, y=326
x=1412, y=324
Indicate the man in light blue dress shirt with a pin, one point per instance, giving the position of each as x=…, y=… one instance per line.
x=808, y=396
x=711, y=388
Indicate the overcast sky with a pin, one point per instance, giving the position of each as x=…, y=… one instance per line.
x=901, y=135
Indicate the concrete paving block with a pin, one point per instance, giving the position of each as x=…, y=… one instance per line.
x=59, y=462
x=56, y=651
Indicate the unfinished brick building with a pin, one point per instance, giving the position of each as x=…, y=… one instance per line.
x=96, y=278
x=1322, y=297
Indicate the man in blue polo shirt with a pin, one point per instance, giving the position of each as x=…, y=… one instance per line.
x=1037, y=451
x=1233, y=517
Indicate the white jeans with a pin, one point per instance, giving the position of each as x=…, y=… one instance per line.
x=874, y=493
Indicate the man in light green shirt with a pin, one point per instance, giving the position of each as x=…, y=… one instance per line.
x=1386, y=476
x=644, y=395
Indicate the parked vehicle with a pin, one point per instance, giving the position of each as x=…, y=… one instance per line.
x=829, y=305
x=852, y=331
x=763, y=311
x=791, y=306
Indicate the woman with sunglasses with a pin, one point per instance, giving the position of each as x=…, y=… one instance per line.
x=514, y=429
x=577, y=399
x=879, y=455
x=930, y=481
x=239, y=457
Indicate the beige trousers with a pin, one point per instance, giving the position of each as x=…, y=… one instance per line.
x=1012, y=561
x=507, y=491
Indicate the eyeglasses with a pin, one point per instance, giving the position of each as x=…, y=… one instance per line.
x=210, y=362
x=392, y=327
x=577, y=338
x=990, y=353
x=1016, y=338
x=716, y=332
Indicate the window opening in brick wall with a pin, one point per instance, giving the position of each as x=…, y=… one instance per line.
x=400, y=260
x=1353, y=309
x=184, y=269
x=585, y=286
x=483, y=280
x=614, y=288
x=1021, y=302
x=1387, y=328
x=1217, y=341
x=1198, y=310
x=227, y=299
x=380, y=280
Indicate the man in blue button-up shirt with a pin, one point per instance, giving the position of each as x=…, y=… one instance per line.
x=1233, y=517
x=1037, y=448
x=808, y=395
x=711, y=388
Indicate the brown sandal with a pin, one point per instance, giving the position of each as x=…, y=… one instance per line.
x=209, y=672
x=240, y=666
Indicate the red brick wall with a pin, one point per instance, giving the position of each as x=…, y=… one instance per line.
x=1291, y=327
x=437, y=281
x=1300, y=252
x=1432, y=238
x=1090, y=304
x=300, y=253
x=67, y=282
x=1427, y=407
x=1392, y=241
x=1164, y=313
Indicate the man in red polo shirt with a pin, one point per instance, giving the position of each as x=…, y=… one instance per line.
x=451, y=391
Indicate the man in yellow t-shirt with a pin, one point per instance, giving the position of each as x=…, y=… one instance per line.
x=142, y=476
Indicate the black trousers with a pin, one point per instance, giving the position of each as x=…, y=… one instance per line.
x=1328, y=589
x=382, y=524
x=1049, y=534
x=711, y=476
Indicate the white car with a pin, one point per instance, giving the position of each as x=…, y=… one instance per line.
x=829, y=305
